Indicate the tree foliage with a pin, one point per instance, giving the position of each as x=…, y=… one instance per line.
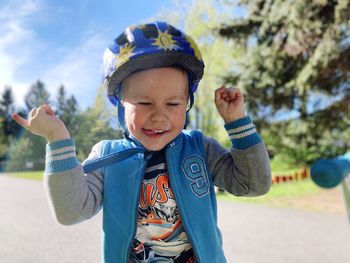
x=28, y=151
x=87, y=127
x=3, y=147
x=8, y=128
x=296, y=62
x=7, y=107
x=67, y=110
x=96, y=124
x=37, y=95
x=19, y=153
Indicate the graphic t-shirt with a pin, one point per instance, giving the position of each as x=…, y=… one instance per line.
x=160, y=235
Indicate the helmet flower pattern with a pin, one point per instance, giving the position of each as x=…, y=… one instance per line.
x=124, y=54
x=164, y=41
x=195, y=48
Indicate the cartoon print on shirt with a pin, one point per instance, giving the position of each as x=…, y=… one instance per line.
x=160, y=234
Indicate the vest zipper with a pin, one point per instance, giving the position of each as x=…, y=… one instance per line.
x=182, y=218
x=137, y=202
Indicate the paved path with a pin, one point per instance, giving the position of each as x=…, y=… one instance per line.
x=251, y=233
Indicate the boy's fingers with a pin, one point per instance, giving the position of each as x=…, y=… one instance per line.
x=32, y=113
x=49, y=110
x=21, y=121
x=219, y=93
x=234, y=93
x=219, y=90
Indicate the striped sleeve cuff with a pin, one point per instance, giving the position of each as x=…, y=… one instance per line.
x=242, y=133
x=60, y=156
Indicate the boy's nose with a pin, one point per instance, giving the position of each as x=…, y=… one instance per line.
x=158, y=115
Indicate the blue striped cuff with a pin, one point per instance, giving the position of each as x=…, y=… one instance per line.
x=242, y=133
x=60, y=156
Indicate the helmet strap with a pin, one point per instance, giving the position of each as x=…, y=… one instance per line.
x=191, y=99
x=121, y=116
x=190, y=92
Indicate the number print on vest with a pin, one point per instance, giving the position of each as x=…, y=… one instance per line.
x=194, y=169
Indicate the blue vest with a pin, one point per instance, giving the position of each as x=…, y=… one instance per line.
x=191, y=183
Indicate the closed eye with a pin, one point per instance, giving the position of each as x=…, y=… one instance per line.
x=173, y=104
x=145, y=103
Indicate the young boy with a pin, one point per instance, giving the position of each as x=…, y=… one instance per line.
x=157, y=193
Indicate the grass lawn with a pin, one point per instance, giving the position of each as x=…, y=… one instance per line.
x=280, y=167
x=35, y=175
x=278, y=193
x=283, y=190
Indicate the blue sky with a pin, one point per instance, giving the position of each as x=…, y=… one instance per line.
x=62, y=42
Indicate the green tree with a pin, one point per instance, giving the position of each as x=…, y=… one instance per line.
x=68, y=110
x=61, y=100
x=28, y=152
x=8, y=127
x=22, y=154
x=96, y=124
x=296, y=63
x=3, y=146
x=7, y=107
x=37, y=95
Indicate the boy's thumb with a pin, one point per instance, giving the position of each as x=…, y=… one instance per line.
x=20, y=120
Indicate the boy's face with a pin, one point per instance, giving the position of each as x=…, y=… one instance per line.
x=155, y=104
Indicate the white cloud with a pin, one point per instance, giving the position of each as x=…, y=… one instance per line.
x=24, y=56
x=79, y=70
x=15, y=17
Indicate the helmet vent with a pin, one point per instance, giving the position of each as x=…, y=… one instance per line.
x=150, y=31
x=173, y=31
x=122, y=39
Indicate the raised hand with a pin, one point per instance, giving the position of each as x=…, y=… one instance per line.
x=229, y=103
x=43, y=121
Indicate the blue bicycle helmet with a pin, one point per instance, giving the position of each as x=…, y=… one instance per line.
x=148, y=46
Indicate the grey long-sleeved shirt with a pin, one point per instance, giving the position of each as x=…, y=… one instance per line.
x=244, y=170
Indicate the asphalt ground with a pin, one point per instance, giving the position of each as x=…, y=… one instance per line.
x=251, y=233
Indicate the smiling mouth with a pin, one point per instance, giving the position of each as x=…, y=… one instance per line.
x=154, y=132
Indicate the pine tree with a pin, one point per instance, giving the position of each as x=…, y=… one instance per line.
x=37, y=95
x=3, y=147
x=61, y=100
x=67, y=110
x=296, y=64
x=28, y=152
x=7, y=107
